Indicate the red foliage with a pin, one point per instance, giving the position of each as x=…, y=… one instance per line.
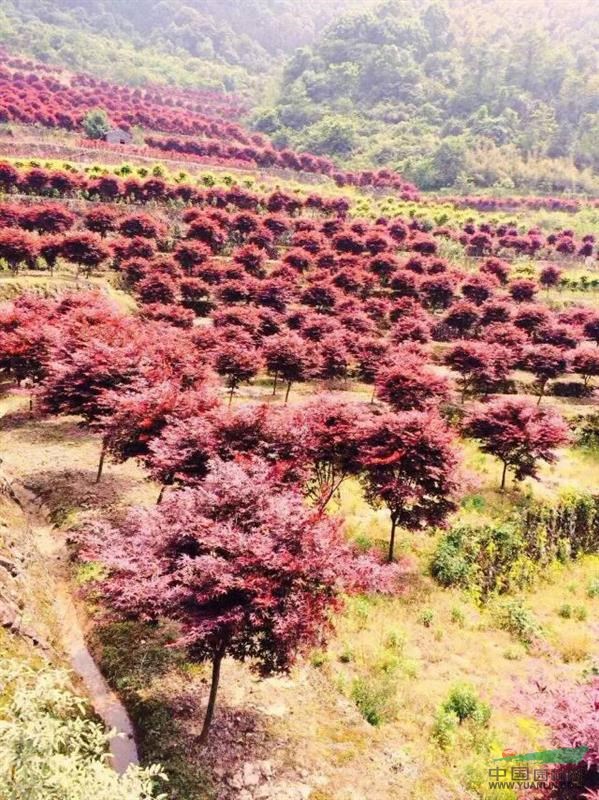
x=480, y=365
x=518, y=433
x=522, y=290
x=237, y=363
x=571, y=713
x=17, y=248
x=101, y=219
x=410, y=466
x=546, y=362
x=139, y=225
x=84, y=249
x=585, y=361
x=47, y=219
x=248, y=571
x=287, y=357
x=409, y=383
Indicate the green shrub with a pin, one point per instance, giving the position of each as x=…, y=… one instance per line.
x=451, y=565
x=374, y=698
x=444, y=728
x=426, y=617
x=580, y=613
x=49, y=748
x=465, y=704
x=396, y=641
x=514, y=618
x=360, y=609
x=574, y=520
x=508, y=556
x=587, y=430
x=96, y=123
x=457, y=616
x=565, y=611
x=593, y=588
x=483, y=559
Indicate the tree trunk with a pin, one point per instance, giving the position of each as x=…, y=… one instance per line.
x=326, y=498
x=160, y=494
x=231, y=395
x=503, y=476
x=391, y=553
x=216, y=662
x=465, y=387
x=541, y=394
x=101, y=463
x=287, y=392
x=274, y=386
x=373, y=395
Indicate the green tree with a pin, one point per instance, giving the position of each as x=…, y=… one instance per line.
x=96, y=123
x=332, y=135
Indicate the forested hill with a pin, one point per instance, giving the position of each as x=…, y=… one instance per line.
x=465, y=94
x=482, y=88
x=225, y=42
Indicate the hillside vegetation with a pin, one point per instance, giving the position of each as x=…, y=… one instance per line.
x=298, y=462
x=481, y=93
x=201, y=43
x=496, y=94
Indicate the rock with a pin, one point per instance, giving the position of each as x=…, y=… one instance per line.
x=266, y=768
x=10, y=566
x=9, y=615
x=289, y=791
x=236, y=781
x=251, y=774
x=276, y=710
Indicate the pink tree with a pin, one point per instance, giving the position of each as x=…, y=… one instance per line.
x=191, y=255
x=333, y=358
x=85, y=250
x=23, y=339
x=570, y=713
x=246, y=571
x=182, y=452
x=550, y=276
x=591, y=328
x=409, y=383
x=546, y=362
x=236, y=362
x=479, y=365
x=585, y=361
x=137, y=415
x=286, y=357
x=18, y=247
x=518, y=433
x=409, y=465
x=523, y=290
x=101, y=219
x=334, y=441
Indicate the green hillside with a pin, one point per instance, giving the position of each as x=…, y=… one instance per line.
x=492, y=92
x=199, y=42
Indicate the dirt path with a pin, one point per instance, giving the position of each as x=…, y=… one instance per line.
x=51, y=545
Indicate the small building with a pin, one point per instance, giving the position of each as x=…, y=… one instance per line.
x=118, y=136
